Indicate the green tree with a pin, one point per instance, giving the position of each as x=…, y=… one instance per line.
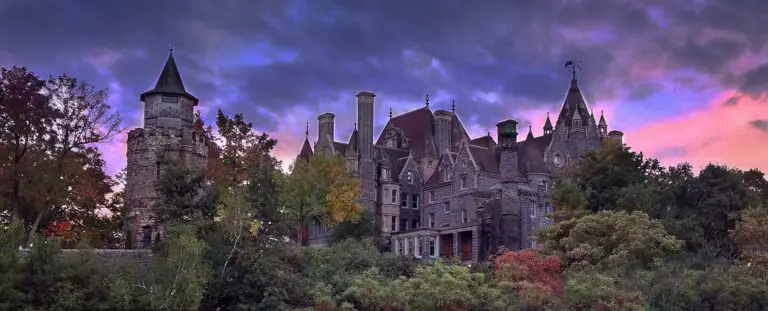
x=569, y=201
x=609, y=239
x=320, y=188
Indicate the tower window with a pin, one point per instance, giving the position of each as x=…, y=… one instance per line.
x=384, y=174
x=464, y=216
x=170, y=99
x=394, y=196
x=404, y=200
x=394, y=223
x=446, y=207
x=414, y=201
x=432, y=247
x=431, y=196
x=533, y=210
x=464, y=182
x=410, y=177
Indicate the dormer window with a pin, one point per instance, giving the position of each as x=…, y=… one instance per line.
x=446, y=175
x=410, y=177
x=464, y=182
x=391, y=143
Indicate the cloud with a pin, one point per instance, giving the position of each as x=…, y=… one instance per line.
x=269, y=59
x=760, y=124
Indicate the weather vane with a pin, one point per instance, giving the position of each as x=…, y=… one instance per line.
x=453, y=105
x=573, y=65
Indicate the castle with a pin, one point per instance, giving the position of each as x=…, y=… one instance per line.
x=435, y=191
x=167, y=135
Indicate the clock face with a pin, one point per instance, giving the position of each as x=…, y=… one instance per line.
x=557, y=159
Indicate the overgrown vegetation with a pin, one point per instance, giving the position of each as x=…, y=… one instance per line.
x=630, y=234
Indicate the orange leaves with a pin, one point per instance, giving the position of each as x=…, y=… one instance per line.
x=342, y=192
x=533, y=271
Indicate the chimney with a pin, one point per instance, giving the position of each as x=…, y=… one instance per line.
x=325, y=124
x=365, y=124
x=508, y=157
x=443, y=121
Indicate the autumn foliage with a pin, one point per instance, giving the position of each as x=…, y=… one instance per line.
x=530, y=270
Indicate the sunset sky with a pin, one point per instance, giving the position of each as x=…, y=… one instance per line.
x=684, y=80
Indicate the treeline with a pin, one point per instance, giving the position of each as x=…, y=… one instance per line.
x=630, y=235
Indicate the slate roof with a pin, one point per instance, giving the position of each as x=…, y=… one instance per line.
x=485, y=159
x=169, y=82
x=419, y=127
x=485, y=141
x=531, y=154
x=397, y=160
x=574, y=103
x=340, y=148
x=306, y=150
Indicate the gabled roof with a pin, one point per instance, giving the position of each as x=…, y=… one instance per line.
x=352, y=144
x=485, y=141
x=531, y=154
x=485, y=158
x=169, y=82
x=419, y=127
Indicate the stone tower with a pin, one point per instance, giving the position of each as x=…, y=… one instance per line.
x=367, y=167
x=167, y=135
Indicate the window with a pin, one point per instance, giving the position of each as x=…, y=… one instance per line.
x=415, y=224
x=400, y=248
x=404, y=224
x=394, y=196
x=429, y=163
x=533, y=210
x=446, y=207
x=432, y=247
x=432, y=196
x=394, y=223
x=546, y=185
x=146, y=239
x=446, y=175
x=404, y=200
x=410, y=177
x=384, y=174
x=414, y=201
x=170, y=99
x=391, y=143
x=464, y=182
x=431, y=219
x=463, y=216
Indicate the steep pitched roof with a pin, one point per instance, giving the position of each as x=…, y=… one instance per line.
x=574, y=103
x=352, y=144
x=169, y=82
x=417, y=125
x=485, y=158
x=306, y=150
x=548, y=123
x=531, y=154
x=485, y=141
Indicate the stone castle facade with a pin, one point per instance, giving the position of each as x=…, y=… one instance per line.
x=437, y=192
x=166, y=137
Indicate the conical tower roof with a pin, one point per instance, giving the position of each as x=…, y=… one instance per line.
x=169, y=82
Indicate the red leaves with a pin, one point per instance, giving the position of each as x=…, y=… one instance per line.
x=529, y=267
x=59, y=229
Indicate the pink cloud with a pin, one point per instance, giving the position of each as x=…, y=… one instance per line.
x=718, y=133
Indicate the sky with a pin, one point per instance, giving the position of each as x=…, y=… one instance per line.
x=684, y=80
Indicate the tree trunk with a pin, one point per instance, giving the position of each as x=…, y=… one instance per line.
x=33, y=228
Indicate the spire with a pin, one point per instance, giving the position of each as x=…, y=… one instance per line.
x=453, y=105
x=530, y=133
x=306, y=133
x=547, y=125
x=573, y=66
x=592, y=117
x=355, y=126
x=169, y=82
x=427, y=100
x=602, y=120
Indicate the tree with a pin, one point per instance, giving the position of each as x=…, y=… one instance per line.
x=50, y=161
x=320, y=188
x=569, y=201
x=596, y=291
x=751, y=238
x=602, y=173
x=240, y=150
x=609, y=239
x=528, y=266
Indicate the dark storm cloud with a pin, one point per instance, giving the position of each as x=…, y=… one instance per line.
x=508, y=47
x=755, y=81
x=760, y=125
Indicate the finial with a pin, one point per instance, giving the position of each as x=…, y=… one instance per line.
x=170, y=49
x=601, y=112
x=573, y=66
x=306, y=133
x=453, y=105
x=592, y=112
x=390, y=112
x=427, y=100
x=489, y=133
x=530, y=129
x=547, y=114
x=355, y=126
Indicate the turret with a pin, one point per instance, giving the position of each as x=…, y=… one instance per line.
x=168, y=104
x=617, y=136
x=548, y=126
x=602, y=125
